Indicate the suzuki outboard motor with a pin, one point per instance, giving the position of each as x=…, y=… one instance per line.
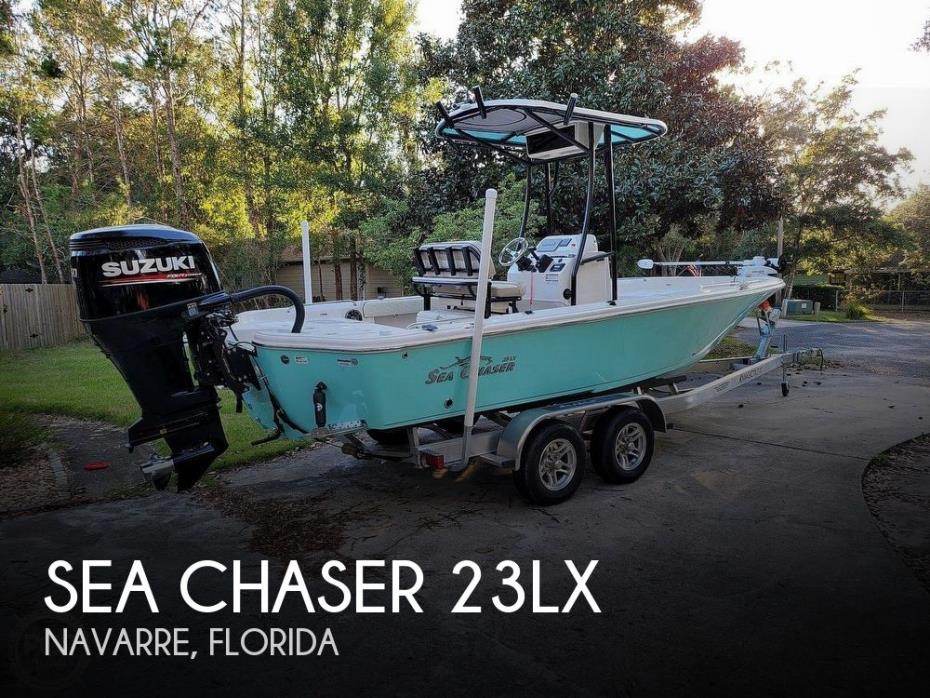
x=141, y=289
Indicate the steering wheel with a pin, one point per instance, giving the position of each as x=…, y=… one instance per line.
x=513, y=251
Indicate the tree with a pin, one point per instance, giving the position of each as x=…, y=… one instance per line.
x=344, y=90
x=836, y=176
x=237, y=119
x=624, y=57
x=66, y=33
x=163, y=53
x=23, y=122
x=923, y=41
x=6, y=27
x=394, y=235
x=913, y=215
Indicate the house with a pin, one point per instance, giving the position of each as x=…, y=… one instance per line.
x=15, y=275
x=373, y=282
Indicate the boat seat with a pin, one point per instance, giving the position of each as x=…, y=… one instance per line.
x=450, y=270
x=500, y=290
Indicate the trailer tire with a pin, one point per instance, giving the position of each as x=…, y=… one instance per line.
x=389, y=437
x=552, y=463
x=622, y=445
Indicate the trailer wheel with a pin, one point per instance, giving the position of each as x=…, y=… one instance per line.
x=622, y=445
x=389, y=437
x=552, y=463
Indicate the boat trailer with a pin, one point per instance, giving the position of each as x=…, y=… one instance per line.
x=625, y=420
x=547, y=445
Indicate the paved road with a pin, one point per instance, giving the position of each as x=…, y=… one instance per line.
x=744, y=562
x=890, y=347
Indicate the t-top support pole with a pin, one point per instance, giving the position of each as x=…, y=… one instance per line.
x=611, y=205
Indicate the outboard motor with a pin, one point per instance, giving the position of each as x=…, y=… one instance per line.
x=142, y=288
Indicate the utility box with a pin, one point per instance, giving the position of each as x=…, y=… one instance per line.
x=800, y=306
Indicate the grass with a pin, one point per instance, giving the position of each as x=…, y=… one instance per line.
x=77, y=380
x=832, y=316
x=731, y=347
x=21, y=435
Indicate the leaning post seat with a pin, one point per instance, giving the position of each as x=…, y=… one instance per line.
x=449, y=271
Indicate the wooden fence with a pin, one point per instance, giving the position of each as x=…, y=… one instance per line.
x=38, y=315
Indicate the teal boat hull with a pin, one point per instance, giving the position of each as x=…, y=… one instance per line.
x=420, y=384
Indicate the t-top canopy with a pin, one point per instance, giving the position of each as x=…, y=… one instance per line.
x=543, y=131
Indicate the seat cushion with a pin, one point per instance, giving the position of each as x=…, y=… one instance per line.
x=500, y=290
x=505, y=290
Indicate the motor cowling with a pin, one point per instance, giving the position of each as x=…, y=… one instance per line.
x=136, y=286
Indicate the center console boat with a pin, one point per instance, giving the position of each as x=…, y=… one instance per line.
x=555, y=324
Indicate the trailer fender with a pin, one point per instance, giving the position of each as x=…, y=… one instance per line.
x=510, y=446
x=654, y=412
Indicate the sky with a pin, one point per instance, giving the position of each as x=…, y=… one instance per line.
x=822, y=40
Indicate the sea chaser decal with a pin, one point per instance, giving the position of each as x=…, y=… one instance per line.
x=459, y=367
x=154, y=270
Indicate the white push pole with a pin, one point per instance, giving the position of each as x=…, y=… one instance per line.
x=481, y=300
x=307, y=262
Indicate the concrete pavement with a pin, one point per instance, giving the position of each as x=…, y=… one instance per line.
x=891, y=347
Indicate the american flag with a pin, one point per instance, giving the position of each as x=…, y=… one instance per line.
x=692, y=270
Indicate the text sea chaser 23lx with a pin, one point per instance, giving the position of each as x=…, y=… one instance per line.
x=560, y=352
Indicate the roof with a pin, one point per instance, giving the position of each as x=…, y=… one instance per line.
x=20, y=276
x=293, y=254
x=887, y=270
x=504, y=124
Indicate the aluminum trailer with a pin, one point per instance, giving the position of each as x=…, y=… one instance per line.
x=546, y=446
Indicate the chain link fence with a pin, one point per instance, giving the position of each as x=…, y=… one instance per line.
x=880, y=300
x=902, y=301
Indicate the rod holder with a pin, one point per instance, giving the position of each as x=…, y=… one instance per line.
x=444, y=113
x=479, y=100
x=570, y=109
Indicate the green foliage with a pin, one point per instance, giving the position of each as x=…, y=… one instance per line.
x=234, y=120
x=21, y=437
x=466, y=223
x=855, y=311
x=6, y=27
x=344, y=90
x=238, y=120
x=913, y=216
x=389, y=242
x=836, y=176
x=391, y=247
x=714, y=160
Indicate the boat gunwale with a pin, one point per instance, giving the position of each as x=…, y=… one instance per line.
x=606, y=312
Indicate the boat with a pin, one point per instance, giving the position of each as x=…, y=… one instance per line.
x=552, y=321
